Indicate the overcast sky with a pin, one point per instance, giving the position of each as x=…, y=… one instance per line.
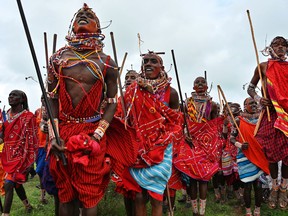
x=210, y=35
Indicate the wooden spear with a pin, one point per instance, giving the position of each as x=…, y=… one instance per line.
x=119, y=79
x=258, y=63
x=181, y=98
x=231, y=114
x=54, y=43
x=49, y=111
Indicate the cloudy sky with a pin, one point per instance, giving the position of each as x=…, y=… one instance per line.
x=210, y=35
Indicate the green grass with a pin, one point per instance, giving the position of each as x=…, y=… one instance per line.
x=112, y=205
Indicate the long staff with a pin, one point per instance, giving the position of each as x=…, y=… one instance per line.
x=54, y=43
x=258, y=63
x=230, y=112
x=49, y=111
x=169, y=201
x=123, y=63
x=119, y=79
x=181, y=98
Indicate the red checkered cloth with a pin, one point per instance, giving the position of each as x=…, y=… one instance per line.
x=273, y=141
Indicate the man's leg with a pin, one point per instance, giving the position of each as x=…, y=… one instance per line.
x=69, y=209
x=156, y=207
x=140, y=204
x=89, y=211
x=247, y=197
x=129, y=206
x=203, y=186
x=22, y=195
x=258, y=197
x=283, y=200
x=193, y=193
x=8, y=186
x=273, y=167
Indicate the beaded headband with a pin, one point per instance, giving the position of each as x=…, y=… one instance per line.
x=86, y=8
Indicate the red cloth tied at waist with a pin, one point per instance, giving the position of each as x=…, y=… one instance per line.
x=80, y=145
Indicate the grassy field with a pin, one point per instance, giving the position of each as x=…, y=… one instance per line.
x=112, y=205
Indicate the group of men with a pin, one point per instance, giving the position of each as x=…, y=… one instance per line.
x=152, y=147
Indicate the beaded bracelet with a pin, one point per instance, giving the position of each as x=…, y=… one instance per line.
x=101, y=129
x=111, y=100
x=225, y=129
x=238, y=145
x=50, y=128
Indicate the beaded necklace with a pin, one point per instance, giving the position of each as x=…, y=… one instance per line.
x=197, y=105
x=11, y=117
x=84, y=41
x=92, y=66
x=154, y=85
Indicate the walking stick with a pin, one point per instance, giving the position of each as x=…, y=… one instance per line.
x=49, y=111
x=230, y=112
x=54, y=43
x=181, y=98
x=258, y=63
x=123, y=63
x=169, y=201
x=119, y=79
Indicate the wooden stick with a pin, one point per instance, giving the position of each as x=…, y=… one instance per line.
x=169, y=201
x=231, y=114
x=258, y=63
x=258, y=122
x=33, y=53
x=181, y=98
x=54, y=43
x=46, y=56
x=123, y=62
x=119, y=79
x=220, y=101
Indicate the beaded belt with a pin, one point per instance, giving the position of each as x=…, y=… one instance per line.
x=90, y=119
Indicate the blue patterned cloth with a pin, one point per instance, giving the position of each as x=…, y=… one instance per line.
x=155, y=178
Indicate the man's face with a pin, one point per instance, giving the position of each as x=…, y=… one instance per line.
x=85, y=22
x=200, y=85
x=130, y=77
x=251, y=106
x=280, y=47
x=151, y=66
x=14, y=98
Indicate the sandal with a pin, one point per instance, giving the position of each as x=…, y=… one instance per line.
x=283, y=200
x=43, y=201
x=272, y=200
x=217, y=197
x=28, y=208
x=257, y=211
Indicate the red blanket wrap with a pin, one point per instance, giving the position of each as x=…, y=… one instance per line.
x=86, y=177
x=274, y=143
x=254, y=153
x=271, y=135
x=201, y=161
x=277, y=79
x=21, y=146
x=156, y=126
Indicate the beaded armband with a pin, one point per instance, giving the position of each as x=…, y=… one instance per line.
x=111, y=100
x=100, y=130
x=50, y=128
x=225, y=129
x=251, y=86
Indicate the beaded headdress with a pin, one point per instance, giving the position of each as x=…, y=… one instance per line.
x=85, y=7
